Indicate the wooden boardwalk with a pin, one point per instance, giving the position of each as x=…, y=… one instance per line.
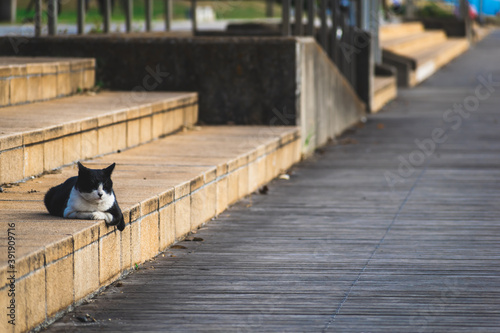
x=338, y=247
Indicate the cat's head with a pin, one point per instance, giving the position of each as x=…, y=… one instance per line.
x=95, y=184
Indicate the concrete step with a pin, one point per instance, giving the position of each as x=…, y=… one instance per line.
x=396, y=30
x=428, y=61
x=414, y=42
x=441, y=54
x=31, y=79
x=166, y=188
x=385, y=90
x=39, y=137
x=417, y=53
x=416, y=66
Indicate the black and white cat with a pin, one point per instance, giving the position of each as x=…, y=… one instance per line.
x=88, y=196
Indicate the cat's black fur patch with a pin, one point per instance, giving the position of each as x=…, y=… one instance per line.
x=57, y=197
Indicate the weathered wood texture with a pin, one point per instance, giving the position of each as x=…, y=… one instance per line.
x=337, y=249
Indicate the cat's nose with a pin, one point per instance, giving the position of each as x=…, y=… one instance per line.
x=100, y=194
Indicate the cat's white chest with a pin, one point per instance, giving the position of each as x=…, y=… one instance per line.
x=77, y=203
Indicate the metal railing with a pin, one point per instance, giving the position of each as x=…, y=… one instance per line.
x=347, y=31
x=52, y=10
x=299, y=5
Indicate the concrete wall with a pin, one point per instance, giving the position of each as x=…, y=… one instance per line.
x=239, y=80
x=326, y=102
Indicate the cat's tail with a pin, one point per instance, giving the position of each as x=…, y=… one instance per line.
x=47, y=200
x=51, y=203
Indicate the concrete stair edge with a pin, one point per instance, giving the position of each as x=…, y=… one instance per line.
x=395, y=30
x=105, y=123
x=414, y=42
x=32, y=79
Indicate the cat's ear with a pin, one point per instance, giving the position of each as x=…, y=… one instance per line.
x=110, y=169
x=81, y=168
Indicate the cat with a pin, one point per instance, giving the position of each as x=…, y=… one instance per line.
x=89, y=196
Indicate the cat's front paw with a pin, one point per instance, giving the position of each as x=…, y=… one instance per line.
x=102, y=216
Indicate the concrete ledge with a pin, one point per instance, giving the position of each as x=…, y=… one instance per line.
x=327, y=103
x=166, y=188
x=41, y=137
x=31, y=79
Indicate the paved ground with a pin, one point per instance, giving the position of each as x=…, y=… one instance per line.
x=378, y=234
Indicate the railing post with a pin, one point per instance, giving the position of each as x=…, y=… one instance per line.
x=38, y=18
x=410, y=10
x=464, y=13
x=168, y=14
x=81, y=17
x=481, y=13
x=299, y=12
x=353, y=13
x=269, y=8
x=365, y=15
x=193, y=16
x=285, y=18
x=149, y=14
x=107, y=16
x=129, y=10
x=52, y=16
x=334, y=16
x=323, y=33
x=374, y=28
x=311, y=15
